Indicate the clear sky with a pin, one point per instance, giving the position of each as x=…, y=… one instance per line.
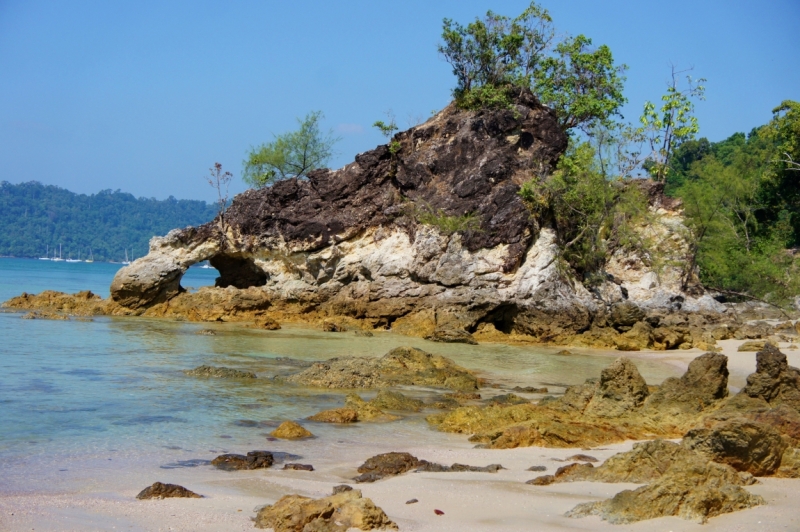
x=145, y=96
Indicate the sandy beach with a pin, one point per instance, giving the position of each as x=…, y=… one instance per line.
x=103, y=498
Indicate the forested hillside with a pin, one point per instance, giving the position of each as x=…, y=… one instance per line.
x=34, y=216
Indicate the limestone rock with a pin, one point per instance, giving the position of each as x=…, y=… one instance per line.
x=543, y=480
x=367, y=411
x=401, y=366
x=235, y=462
x=266, y=323
x=751, y=345
x=451, y=336
x=336, y=415
x=289, y=430
x=166, y=491
x=389, y=400
x=790, y=464
x=337, y=513
x=620, y=389
x=774, y=380
x=746, y=446
x=298, y=467
x=220, y=372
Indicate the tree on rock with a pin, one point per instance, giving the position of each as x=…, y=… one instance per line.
x=292, y=154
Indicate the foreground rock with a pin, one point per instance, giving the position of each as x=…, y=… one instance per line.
x=401, y=366
x=392, y=464
x=166, y=491
x=337, y=513
x=289, y=430
x=236, y=462
x=220, y=372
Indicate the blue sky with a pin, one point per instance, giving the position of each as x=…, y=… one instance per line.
x=145, y=96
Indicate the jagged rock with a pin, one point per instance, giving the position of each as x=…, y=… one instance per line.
x=336, y=415
x=235, y=462
x=625, y=314
x=543, y=480
x=452, y=336
x=400, y=366
x=166, y=491
x=389, y=400
x=790, y=464
x=220, y=372
x=367, y=411
x=44, y=315
x=506, y=399
x=289, y=430
x=774, y=380
x=746, y=446
x=753, y=331
x=341, y=488
x=751, y=345
x=386, y=465
x=620, y=389
x=529, y=389
x=337, y=513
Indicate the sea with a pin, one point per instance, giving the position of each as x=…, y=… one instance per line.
x=86, y=404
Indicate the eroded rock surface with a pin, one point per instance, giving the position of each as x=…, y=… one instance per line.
x=220, y=372
x=289, y=430
x=166, y=491
x=235, y=462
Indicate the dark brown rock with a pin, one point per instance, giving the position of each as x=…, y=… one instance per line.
x=219, y=372
x=774, y=380
x=298, y=467
x=235, y=462
x=166, y=491
x=341, y=488
x=544, y=480
x=387, y=464
x=746, y=446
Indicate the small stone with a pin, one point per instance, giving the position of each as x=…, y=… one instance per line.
x=537, y=468
x=438, y=512
x=341, y=488
x=206, y=332
x=543, y=480
x=289, y=430
x=581, y=458
x=412, y=501
x=165, y=491
x=299, y=467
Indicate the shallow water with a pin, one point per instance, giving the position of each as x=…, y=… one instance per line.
x=112, y=389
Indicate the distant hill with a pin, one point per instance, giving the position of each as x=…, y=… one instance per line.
x=34, y=216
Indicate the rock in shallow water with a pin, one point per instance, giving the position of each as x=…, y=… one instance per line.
x=235, y=462
x=336, y=415
x=289, y=430
x=220, y=372
x=166, y=491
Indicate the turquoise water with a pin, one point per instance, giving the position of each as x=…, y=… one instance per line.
x=114, y=386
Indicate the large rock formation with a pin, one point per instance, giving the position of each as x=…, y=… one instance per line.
x=429, y=239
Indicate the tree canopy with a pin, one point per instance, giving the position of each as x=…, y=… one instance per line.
x=292, y=154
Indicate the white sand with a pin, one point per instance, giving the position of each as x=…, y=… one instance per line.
x=104, y=498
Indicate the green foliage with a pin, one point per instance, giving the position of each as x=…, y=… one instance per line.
x=582, y=85
x=292, y=154
x=34, y=216
x=592, y=215
x=446, y=224
x=738, y=198
x=497, y=56
x=388, y=129
x=673, y=124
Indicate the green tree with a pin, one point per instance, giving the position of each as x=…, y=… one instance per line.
x=497, y=56
x=673, y=124
x=782, y=180
x=292, y=154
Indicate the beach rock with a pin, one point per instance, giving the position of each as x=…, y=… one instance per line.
x=790, y=464
x=366, y=334
x=298, y=467
x=206, y=332
x=330, y=326
x=289, y=430
x=44, y=315
x=236, y=462
x=751, y=345
x=580, y=458
x=219, y=372
x=336, y=415
x=412, y=501
x=385, y=465
x=389, y=400
x=537, y=468
x=744, y=445
x=774, y=380
x=625, y=314
x=506, y=399
x=457, y=468
x=266, y=323
x=529, y=389
x=336, y=513
x=401, y=366
x=451, y=336
x=367, y=411
x=166, y=491
x=544, y=480
x=341, y=488
x=620, y=389
x=753, y=331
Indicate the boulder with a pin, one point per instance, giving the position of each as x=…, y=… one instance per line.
x=620, y=389
x=367, y=411
x=336, y=415
x=751, y=346
x=389, y=400
x=400, y=366
x=451, y=336
x=336, y=513
x=625, y=314
x=386, y=465
x=266, y=323
x=289, y=430
x=755, y=448
x=774, y=380
x=235, y=462
x=219, y=372
x=166, y=491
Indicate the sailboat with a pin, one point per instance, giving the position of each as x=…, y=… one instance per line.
x=46, y=254
x=126, y=261
x=70, y=259
x=58, y=259
x=206, y=266
x=91, y=256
